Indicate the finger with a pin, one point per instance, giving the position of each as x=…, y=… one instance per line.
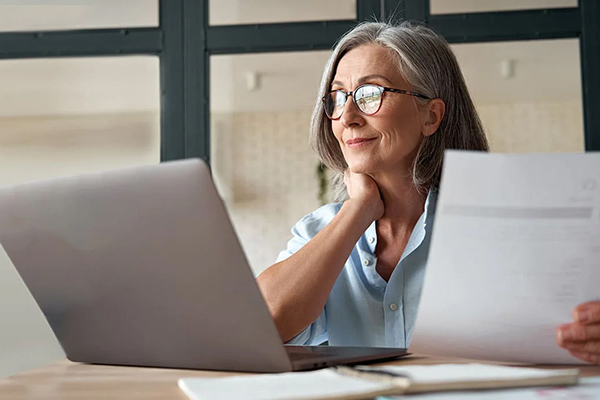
x=578, y=333
x=587, y=313
x=593, y=358
x=592, y=347
x=594, y=303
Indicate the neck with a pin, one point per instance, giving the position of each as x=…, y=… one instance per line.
x=403, y=203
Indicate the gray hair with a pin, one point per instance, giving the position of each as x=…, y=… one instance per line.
x=429, y=66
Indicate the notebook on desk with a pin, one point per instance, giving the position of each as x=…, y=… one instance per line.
x=364, y=382
x=141, y=266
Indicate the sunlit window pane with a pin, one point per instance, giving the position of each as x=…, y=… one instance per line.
x=227, y=12
x=67, y=116
x=41, y=15
x=528, y=93
x=468, y=6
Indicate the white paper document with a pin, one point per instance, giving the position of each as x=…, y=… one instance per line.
x=515, y=247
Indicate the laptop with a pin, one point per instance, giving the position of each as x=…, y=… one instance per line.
x=142, y=267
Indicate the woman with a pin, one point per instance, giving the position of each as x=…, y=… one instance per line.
x=391, y=100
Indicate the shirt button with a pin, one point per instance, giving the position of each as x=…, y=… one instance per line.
x=371, y=239
x=366, y=262
x=393, y=306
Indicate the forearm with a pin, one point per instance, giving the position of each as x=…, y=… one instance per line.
x=297, y=288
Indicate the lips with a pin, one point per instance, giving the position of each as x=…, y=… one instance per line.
x=358, y=141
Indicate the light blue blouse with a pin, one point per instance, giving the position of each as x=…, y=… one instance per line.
x=362, y=308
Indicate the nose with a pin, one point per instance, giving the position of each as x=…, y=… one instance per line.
x=351, y=117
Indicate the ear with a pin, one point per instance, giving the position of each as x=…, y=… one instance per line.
x=434, y=113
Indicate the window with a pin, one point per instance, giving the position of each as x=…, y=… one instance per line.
x=467, y=6
x=68, y=116
x=528, y=93
x=227, y=12
x=262, y=162
x=19, y=15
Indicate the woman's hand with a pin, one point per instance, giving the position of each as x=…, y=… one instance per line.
x=582, y=337
x=364, y=191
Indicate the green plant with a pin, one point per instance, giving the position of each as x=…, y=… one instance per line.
x=322, y=179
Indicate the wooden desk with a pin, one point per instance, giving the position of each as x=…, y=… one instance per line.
x=70, y=381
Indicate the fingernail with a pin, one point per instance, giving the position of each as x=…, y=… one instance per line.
x=565, y=334
x=583, y=316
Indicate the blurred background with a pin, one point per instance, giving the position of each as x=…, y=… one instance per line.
x=67, y=115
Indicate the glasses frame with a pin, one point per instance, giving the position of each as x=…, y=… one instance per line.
x=382, y=90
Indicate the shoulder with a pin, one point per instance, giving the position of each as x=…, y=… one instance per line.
x=312, y=223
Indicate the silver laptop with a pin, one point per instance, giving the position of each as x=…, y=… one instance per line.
x=142, y=267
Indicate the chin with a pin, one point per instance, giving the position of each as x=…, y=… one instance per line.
x=361, y=168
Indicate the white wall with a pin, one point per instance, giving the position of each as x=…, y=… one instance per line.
x=534, y=127
x=266, y=172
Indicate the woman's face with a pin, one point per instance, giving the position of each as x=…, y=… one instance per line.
x=388, y=140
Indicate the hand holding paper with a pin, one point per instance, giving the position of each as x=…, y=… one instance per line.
x=515, y=248
x=582, y=337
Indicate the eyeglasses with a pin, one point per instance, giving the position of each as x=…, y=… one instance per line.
x=367, y=99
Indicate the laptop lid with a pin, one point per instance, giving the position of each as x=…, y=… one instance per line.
x=140, y=266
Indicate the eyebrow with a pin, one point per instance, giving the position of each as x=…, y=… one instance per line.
x=365, y=79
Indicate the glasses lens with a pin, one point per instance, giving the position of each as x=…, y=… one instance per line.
x=334, y=104
x=368, y=98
